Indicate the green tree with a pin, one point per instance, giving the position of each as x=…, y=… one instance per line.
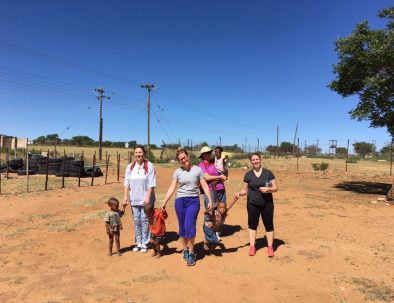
x=82, y=141
x=40, y=140
x=271, y=149
x=363, y=148
x=312, y=150
x=286, y=147
x=366, y=69
x=385, y=150
x=341, y=151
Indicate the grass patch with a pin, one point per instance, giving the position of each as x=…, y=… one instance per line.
x=60, y=226
x=373, y=290
x=86, y=202
x=236, y=271
x=162, y=276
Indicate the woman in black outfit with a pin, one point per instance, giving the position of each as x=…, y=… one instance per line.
x=259, y=184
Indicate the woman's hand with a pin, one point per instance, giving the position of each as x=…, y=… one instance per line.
x=209, y=206
x=264, y=189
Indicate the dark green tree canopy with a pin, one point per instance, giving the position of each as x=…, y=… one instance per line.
x=363, y=148
x=366, y=69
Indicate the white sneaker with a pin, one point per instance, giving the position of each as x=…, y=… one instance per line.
x=143, y=249
x=137, y=247
x=219, y=238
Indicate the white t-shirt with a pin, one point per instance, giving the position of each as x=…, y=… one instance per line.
x=139, y=182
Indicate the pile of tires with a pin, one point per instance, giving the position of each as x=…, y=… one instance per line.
x=72, y=168
x=14, y=165
x=54, y=166
x=97, y=172
x=33, y=165
x=3, y=168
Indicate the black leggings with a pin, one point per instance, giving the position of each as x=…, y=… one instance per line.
x=267, y=214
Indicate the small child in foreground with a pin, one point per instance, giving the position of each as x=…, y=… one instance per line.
x=113, y=224
x=214, y=220
x=157, y=227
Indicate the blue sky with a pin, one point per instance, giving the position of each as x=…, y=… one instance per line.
x=224, y=70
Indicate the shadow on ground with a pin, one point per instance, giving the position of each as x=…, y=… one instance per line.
x=365, y=187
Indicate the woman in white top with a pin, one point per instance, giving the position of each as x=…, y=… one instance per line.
x=139, y=189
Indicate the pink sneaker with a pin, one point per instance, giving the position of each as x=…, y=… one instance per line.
x=252, y=250
x=270, y=251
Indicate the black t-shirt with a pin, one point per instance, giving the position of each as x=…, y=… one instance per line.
x=254, y=183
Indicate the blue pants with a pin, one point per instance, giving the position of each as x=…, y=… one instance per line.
x=187, y=209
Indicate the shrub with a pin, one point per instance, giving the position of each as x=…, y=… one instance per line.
x=320, y=166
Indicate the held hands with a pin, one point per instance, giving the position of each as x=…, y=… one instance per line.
x=125, y=202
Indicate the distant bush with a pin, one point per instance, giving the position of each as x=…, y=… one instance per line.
x=320, y=166
x=353, y=159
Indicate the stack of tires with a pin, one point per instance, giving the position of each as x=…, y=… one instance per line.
x=54, y=166
x=3, y=168
x=14, y=165
x=97, y=172
x=34, y=161
x=72, y=168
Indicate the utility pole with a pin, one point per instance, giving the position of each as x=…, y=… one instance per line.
x=258, y=144
x=220, y=141
x=295, y=135
x=100, y=90
x=149, y=87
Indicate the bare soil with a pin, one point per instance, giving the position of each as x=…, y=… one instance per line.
x=334, y=243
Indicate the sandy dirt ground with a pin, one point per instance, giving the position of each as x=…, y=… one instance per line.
x=334, y=243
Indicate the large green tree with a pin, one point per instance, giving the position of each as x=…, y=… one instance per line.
x=363, y=148
x=366, y=69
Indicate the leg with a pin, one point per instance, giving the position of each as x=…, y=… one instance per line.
x=267, y=215
x=137, y=226
x=192, y=211
x=117, y=240
x=181, y=215
x=145, y=229
x=253, y=222
x=111, y=242
x=158, y=255
x=153, y=243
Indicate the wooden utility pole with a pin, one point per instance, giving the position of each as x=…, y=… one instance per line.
x=149, y=87
x=100, y=90
x=295, y=136
x=277, y=140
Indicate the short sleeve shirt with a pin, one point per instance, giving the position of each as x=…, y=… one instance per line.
x=139, y=181
x=188, y=181
x=210, y=169
x=254, y=183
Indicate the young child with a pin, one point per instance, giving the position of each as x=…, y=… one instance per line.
x=221, y=163
x=157, y=227
x=113, y=224
x=213, y=221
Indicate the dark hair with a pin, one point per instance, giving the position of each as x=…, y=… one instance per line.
x=148, y=208
x=181, y=151
x=112, y=201
x=255, y=154
x=219, y=148
x=140, y=146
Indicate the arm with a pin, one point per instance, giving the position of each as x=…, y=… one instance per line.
x=205, y=187
x=271, y=189
x=126, y=195
x=243, y=192
x=122, y=209
x=210, y=178
x=151, y=182
x=169, y=193
x=107, y=228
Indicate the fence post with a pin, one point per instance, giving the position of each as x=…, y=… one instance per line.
x=391, y=157
x=106, y=166
x=27, y=169
x=46, y=173
x=8, y=163
x=118, y=164
x=81, y=166
x=94, y=163
x=64, y=167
